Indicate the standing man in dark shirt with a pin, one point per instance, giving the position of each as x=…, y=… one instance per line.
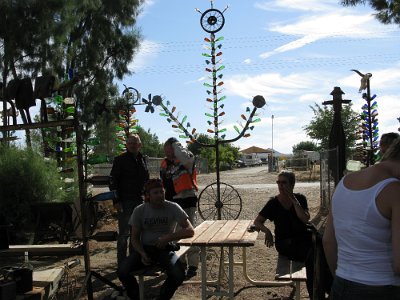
x=128, y=176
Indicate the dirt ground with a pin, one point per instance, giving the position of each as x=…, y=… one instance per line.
x=255, y=186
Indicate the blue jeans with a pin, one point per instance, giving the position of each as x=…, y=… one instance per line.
x=343, y=289
x=168, y=260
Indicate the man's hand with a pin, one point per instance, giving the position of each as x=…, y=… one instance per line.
x=162, y=241
x=118, y=207
x=146, y=260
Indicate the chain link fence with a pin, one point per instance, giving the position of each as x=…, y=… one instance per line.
x=327, y=182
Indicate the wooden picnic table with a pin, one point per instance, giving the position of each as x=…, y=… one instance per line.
x=224, y=233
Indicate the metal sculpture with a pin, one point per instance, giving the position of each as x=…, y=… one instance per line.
x=127, y=123
x=337, y=138
x=368, y=148
x=218, y=199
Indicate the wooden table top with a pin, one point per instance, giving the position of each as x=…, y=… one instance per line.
x=222, y=233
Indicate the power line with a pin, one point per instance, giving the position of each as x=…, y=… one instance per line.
x=260, y=41
x=275, y=64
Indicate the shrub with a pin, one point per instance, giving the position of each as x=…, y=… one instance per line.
x=26, y=178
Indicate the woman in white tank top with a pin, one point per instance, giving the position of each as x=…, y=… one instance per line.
x=362, y=235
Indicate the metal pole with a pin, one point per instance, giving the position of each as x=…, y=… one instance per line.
x=370, y=153
x=219, y=202
x=273, y=158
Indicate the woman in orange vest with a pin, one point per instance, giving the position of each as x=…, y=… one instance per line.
x=178, y=174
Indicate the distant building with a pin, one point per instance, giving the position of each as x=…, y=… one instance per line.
x=253, y=155
x=311, y=155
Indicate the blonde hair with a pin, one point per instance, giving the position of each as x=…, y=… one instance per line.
x=393, y=152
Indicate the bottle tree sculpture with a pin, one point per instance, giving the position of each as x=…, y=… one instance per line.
x=127, y=122
x=212, y=21
x=368, y=148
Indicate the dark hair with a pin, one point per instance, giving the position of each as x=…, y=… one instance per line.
x=151, y=184
x=171, y=140
x=289, y=176
x=393, y=152
x=388, y=138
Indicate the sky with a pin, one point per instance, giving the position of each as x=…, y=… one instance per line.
x=292, y=52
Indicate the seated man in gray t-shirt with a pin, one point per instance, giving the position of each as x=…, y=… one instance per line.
x=153, y=224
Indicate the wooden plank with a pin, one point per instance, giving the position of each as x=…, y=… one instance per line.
x=182, y=250
x=42, y=278
x=249, y=238
x=38, y=250
x=198, y=231
x=37, y=293
x=241, y=236
x=48, y=279
x=207, y=235
x=292, y=270
x=221, y=237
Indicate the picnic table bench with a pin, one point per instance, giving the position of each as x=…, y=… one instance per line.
x=295, y=271
x=154, y=271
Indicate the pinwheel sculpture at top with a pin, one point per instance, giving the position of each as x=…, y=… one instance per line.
x=127, y=122
x=218, y=200
x=368, y=133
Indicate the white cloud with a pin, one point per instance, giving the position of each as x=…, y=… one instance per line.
x=292, y=45
x=311, y=97
x=200, y=79
x=304, y=5
x=247, y=61
x=332, y=24
x=319, y=27
x=270, y=84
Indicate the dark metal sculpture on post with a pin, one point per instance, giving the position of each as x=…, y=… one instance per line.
x=369, y=127
x=212, y=21
x=337, y=138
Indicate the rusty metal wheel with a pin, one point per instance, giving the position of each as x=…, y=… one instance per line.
x=228, y=207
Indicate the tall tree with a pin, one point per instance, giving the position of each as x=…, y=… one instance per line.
x=29, y=30
x=388, y=11
x=151, y=145
x=320, y=126
x=94, y=41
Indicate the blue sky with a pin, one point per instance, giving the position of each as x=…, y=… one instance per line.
x=292, y=52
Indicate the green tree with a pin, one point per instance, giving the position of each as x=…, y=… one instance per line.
x=195, y=148
x=388, y=12
x=227, y=153
x=305, y=146
x=320, y=126
x=26, y=29
x=151, y=145
x=96, y=40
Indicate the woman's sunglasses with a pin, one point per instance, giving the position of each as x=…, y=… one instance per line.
x=281, y=182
